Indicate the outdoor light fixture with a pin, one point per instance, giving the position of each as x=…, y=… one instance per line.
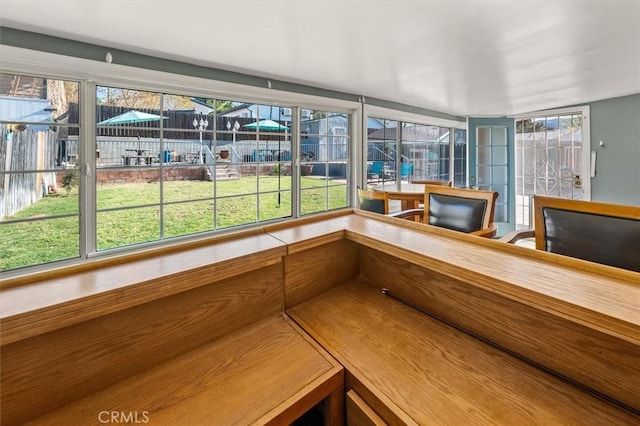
x=200, y=125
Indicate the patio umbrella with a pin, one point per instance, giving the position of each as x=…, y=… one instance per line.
x=270, y=126
x=266, y=126
x=131, y=117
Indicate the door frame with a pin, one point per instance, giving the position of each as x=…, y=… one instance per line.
x=584, y=110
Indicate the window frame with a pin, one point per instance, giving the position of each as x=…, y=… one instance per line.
x=402, y=117
x=91, y=74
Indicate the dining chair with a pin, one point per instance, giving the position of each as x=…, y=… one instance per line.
x=465, y=210
x=373, y=201
x=603, y=233
x=433, y=182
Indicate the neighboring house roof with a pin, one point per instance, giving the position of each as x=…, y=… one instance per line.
x=23, y=110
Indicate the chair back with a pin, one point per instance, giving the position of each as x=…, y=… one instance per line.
x=460, y=209
x=373, y=201
x=406, y=170
x=432, y=182
x=608, y=234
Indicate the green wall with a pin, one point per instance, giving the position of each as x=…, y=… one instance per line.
x=616, y=122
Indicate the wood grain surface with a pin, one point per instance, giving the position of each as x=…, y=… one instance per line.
x=315, y=270
x=600, y=361
x=359, y=413
x=48, y=370
x=435, y=374
x=59, y=301
x=607, y=302
x=262, y=374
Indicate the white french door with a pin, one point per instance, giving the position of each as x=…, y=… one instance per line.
x=552, y=157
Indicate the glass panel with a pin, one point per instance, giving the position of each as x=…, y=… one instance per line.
x=184, y=184
x=381, y=150
x=484, y=155
x=187, y=218
x=313, y=200
x=38, y=169
x=40, y=241
x=119, y=228
x=133, y=192
x=484, y=175
x=234, y=211
x=498, y=136
x=483, y=136
x=275, y=205
x=499, y=175
x=338, y=196
x=499, y=155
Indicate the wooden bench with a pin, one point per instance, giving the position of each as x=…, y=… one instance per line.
x=192, y=335
x=266, y=373
x=119, y=334
x=412, y=369
x=574, y=319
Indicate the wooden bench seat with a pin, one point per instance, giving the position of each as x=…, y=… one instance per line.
x=267, y=373
x=413, y=369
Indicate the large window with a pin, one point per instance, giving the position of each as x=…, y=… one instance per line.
x=39, y=207
x=399, y=151
x=156, y=166
x=324, y=167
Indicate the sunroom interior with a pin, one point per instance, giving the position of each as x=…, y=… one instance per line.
x=179, y=184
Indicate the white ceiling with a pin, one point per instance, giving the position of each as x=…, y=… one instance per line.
x=469, y=58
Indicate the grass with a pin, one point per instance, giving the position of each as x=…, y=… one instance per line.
x=130, y=214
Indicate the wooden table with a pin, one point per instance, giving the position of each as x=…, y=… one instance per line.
x=409, y=194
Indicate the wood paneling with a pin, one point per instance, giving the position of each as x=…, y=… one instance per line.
x=67, y=297
x=45, y=371
x=588, y=356
x=435, y=374
x=574, y=288
x=315, y=270
x=268, y=373
x=359, y=413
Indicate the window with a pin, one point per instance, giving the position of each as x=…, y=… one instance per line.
x=402, y=151
x=167, y=165
x=39, y=207
x=324, y=165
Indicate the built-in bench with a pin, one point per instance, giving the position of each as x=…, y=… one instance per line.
x=199, y=330
x=412, y=369
x=189, y=335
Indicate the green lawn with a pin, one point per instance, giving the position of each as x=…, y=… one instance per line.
x=189, y=208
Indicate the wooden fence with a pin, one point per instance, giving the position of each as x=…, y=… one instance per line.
x=25, y=150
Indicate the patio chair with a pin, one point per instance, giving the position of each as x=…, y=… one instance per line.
x=608, y=234
x=465, y=210
x=406, y=171
x=373, y=201
x=376, y=171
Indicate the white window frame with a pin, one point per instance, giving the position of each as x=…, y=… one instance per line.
x=91, y=73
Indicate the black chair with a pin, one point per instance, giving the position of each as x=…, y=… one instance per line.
x=373, y=201
x=608, y=234
x=465, y=210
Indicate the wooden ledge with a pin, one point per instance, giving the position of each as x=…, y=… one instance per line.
x=268, y=373
x=70, y=298
x=413, y=369
x=306, y=233
x=606, y=302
